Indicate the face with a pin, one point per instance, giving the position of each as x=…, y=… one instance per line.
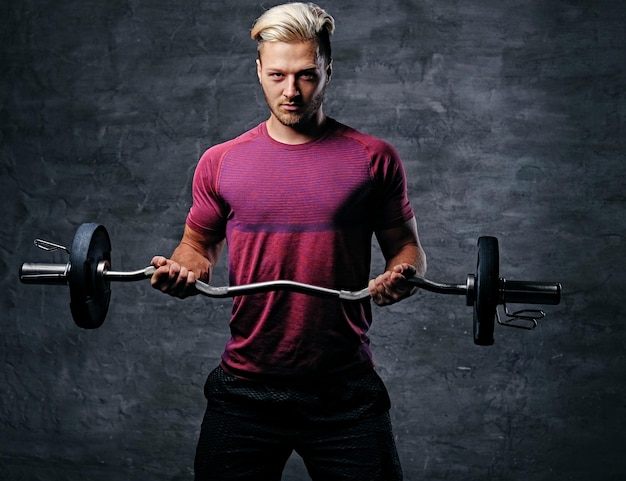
x=294, y=79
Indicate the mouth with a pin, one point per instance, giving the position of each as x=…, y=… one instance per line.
x=291, y=107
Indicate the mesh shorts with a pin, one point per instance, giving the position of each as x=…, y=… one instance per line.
x=341, y=430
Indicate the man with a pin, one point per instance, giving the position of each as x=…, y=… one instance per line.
x=298, y=197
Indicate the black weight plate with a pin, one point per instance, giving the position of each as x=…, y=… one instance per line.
x=90, y=293
x=487, y=288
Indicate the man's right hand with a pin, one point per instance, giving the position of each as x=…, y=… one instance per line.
x=172, y=278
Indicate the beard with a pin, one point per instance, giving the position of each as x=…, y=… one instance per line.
x=303, y=117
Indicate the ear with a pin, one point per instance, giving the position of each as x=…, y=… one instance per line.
x=258, y=69
x=329, y=70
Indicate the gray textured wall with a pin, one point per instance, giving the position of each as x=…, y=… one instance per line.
x=509, y=115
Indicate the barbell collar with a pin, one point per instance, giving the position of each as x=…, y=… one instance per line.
x=529, y=292
x=470, y=290
x=38, y=273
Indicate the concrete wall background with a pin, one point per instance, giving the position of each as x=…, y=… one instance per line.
x=509, y=116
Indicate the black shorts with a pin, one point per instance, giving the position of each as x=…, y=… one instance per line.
x=341, y=430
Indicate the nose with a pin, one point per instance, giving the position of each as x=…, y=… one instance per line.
x=291, y=88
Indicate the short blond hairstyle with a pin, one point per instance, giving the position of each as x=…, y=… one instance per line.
x=296, y=22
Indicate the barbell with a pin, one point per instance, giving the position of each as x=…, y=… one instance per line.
x=89, y=275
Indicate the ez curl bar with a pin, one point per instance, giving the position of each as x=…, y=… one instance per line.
x=88, y=274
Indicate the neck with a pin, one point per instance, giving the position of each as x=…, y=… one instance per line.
x=297, y=134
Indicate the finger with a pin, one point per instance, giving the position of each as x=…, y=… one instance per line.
x=401, y=286
x=165, y=276
x=386, y=292
x=375, y=290
x=187, y=286
x=174, y=270
x=406, y=269
x=409, y=270
x=176, y=279
x=158, y=261
x=183, y=284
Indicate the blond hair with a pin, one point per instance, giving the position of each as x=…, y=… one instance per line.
x=296, y=22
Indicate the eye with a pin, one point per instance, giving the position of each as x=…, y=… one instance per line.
x=308, y=76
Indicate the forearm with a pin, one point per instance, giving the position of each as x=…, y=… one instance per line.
x=192, y=260
x=404, y=258
x=401, y=245
x=411, y=254
x=188, y=256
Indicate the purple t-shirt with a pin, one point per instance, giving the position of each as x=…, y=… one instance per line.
x=304, y=213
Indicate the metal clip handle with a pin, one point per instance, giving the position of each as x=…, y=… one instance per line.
x=522, y=319
x=48, y=246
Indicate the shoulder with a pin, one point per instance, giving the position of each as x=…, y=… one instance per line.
x=373, y=145
x=384, y=161
x=217, y=151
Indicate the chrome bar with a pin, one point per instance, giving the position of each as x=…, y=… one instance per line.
x=57, y=274
x=292, y=286
x=128, y=276
x=459, y=289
